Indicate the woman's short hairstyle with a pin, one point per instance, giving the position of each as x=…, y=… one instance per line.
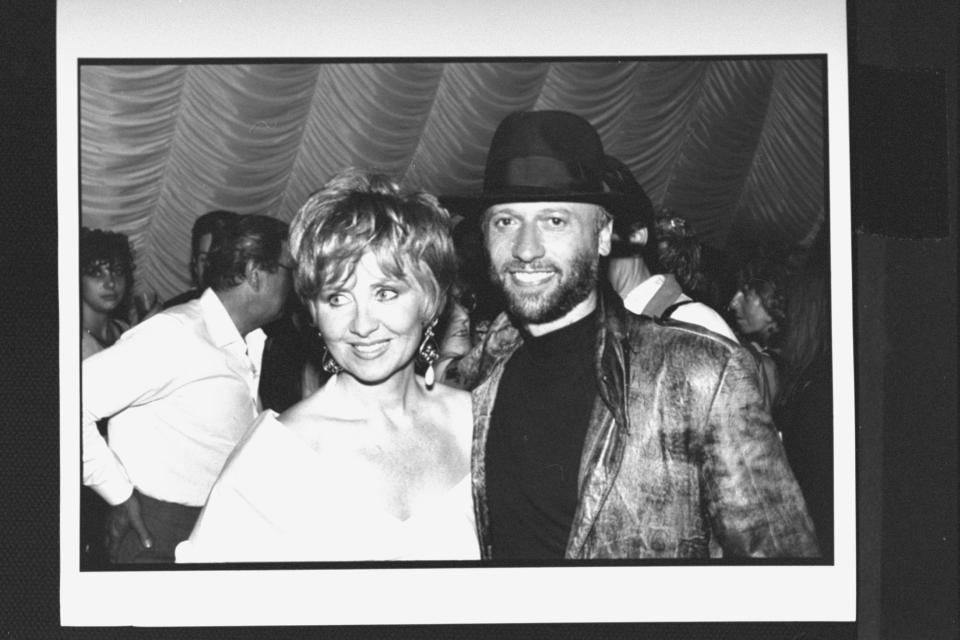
x=357, y=211
x=100, y=248
x=253, y=240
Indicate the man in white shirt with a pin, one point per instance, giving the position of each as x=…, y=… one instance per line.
x=642, y=291
x=180, y=390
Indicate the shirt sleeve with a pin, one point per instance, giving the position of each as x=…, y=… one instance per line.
x=755, y=505
x=137, y=369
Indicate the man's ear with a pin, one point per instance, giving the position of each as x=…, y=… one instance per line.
x=604, y=239
x=252, y=275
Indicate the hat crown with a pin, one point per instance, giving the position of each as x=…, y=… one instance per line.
x=547, y=152
x=557, y=156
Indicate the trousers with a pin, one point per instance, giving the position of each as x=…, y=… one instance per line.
x=169, y=524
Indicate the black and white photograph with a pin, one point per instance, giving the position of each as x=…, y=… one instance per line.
x=737, y=152
x=490, y=319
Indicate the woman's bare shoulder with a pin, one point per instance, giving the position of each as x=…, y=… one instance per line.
x=448, y=393
x=457, y=406
x=320, y=423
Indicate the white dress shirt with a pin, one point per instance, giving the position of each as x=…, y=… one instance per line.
x=693, y=312
x=180, y=391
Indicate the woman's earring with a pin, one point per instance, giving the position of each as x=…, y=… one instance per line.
x=327, y=363
x=428, y=354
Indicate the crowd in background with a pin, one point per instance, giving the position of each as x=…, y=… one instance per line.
x=290, y=349
x=774, y=297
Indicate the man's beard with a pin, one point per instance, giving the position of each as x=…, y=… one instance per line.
x=538, y=308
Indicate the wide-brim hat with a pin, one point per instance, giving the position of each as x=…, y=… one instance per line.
x=554, y=156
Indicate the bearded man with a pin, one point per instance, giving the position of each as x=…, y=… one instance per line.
x=600, y=433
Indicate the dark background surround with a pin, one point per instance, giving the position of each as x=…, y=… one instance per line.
x=905, y=322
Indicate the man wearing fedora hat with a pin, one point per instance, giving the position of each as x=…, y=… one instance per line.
x=600, y=433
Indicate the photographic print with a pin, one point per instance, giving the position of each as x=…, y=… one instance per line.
x=722, y=168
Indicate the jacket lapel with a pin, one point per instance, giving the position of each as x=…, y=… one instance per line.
x=603, y=446
x=484, y=396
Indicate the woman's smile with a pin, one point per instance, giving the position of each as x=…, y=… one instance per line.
x=371, y=349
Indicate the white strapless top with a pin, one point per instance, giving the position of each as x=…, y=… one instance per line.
x=265, y=506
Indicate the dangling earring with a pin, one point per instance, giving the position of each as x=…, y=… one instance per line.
x=327, y=363
x=428, y=354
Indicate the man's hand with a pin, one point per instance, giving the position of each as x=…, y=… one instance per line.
x=120, y=519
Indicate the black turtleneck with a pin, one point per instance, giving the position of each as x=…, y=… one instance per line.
x=537, y=431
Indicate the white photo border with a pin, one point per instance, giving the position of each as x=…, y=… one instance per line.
x=89, y=29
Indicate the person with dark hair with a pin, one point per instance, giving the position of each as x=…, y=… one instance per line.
x=804, y=407
x=640, y=268
x=474, y=301
x=599, y=433
x=106, y=281
x=760, y=299
x=759, y=310
x=180, y=392
x=205, y=229
x=680, y=252
x=291, y=358
x=375, y=465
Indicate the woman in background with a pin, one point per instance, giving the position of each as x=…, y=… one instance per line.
x=375, y=465
x=106, y=279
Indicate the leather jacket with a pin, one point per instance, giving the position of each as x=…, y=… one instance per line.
x=680, y=453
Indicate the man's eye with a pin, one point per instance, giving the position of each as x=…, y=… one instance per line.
x=556, y=221
x=501, y=222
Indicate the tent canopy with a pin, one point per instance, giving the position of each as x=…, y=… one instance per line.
x=736, y=146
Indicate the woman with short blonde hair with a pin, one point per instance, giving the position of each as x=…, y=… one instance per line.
x=375, y=465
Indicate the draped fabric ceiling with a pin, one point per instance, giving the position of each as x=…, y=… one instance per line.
x=736, y=146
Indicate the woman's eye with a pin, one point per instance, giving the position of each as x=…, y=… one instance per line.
x=336, y=299
x=386, y=294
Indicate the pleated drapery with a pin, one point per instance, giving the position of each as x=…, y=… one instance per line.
x=735, y=146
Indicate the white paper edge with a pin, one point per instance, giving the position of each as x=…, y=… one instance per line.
x=101, y=29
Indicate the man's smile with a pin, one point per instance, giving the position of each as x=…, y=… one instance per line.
x=531, y=277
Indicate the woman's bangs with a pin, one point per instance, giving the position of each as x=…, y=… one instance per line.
x=393, y=259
